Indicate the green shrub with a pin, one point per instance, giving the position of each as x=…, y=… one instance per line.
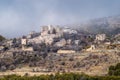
x=114, y=70
x=64, y=76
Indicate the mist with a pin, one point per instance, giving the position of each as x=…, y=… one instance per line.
x=19, y=17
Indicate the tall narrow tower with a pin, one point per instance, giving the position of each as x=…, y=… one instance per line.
x=24, y=43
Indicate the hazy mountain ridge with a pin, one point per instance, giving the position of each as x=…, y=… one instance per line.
x=109, y=25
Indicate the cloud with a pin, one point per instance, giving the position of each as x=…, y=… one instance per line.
x=18, y=17
x=9, y=18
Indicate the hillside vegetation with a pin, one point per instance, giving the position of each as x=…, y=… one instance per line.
x=2, y=38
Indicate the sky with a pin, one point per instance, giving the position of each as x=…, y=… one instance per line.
x=19, y=17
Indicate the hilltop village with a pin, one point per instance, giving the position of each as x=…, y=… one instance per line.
x=56, y=49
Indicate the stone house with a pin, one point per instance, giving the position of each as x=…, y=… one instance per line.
x=77, y=42
x=92, y=47
x=24, y=41
x=27, y=48
x=1, y=48
x=61, y=43
x=32, y=34
x=10, y=42
x=65, y=51
x=100, y=37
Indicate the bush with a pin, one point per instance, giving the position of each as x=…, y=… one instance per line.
x=64, y=76
x=1, y=38
x=114, y=70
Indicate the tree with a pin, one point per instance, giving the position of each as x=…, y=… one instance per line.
x=2, y=38
x=114, y=70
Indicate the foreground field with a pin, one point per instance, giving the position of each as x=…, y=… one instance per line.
x=113, y=74
x=65, y=76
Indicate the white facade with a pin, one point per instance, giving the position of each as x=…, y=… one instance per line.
x=10, y=42
x=100, y=37
x=24, y=41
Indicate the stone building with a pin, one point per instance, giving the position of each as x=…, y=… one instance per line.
x=47, y=30
x=24, y=48
x=92, y=47
x=10, y=42
x=77, y=42
x=100, y=37
x=24, y=41
x=32, y=34
x=61, y=43
x=70, y=31
x=1, y=48
x=51, y=30
x=69, y=41
x=65, y=51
